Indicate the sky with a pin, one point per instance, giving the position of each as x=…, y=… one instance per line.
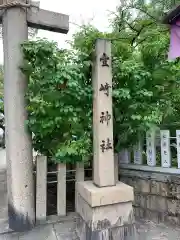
x=80, y=11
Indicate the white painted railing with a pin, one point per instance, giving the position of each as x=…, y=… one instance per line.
x=145, y=155
x=152, y=154
x=61, y=180
x=41, y=186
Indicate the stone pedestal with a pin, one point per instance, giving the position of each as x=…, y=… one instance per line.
x=104, y=205
x=105, y=213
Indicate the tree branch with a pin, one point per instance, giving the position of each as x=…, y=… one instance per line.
x=138, y=34
x=145, y=12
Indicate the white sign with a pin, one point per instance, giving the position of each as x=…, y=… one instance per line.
x=138, y=153
x=124, y=156
x=151, y=148
x=178, y=146
x=165, y=149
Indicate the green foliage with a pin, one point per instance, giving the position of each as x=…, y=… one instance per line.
x=145, y=85
x=152, y=82
x=59, y=102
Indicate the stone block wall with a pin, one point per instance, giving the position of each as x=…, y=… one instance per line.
x=157, y=195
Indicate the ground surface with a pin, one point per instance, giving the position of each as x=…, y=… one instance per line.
x=65, y=230
x=150, y=231
x=58, y=231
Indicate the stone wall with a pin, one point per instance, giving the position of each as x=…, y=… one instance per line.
x=157, y=195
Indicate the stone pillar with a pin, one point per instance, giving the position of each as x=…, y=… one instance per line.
x=104, y=204
x=103, y=161
x=41, y=188
x=79, y=177
x=61, y=189
x=116, y=167
x=18, y=141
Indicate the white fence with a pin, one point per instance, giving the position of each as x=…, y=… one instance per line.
x=42, y=182
x=157, y=154
x=154, y=154
x=63, y=177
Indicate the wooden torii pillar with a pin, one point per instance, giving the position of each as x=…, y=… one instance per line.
x=16, y=16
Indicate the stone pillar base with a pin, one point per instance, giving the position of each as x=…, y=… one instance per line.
x=105, y=213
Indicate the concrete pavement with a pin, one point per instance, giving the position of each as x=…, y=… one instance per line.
x=54, y=231
x=65, y=230
x=148, y=230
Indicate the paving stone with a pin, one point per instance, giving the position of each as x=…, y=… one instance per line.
x=40, y=233
x=67, y=236
x=65, y=227
x=4, y=226
x=3, y=213
x=151, y=231
x=147, y=230
x=12, y=236
x=65, y=230
x=153, y=215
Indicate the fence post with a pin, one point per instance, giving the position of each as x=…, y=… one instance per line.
x=151, y=147
x=116, y=167
x=79, y=177
x=165, y=149
x=178, y=146
x=138, y=148
x=124, y=156
x=41, y=188
x=61, y=189
x=79, y=171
